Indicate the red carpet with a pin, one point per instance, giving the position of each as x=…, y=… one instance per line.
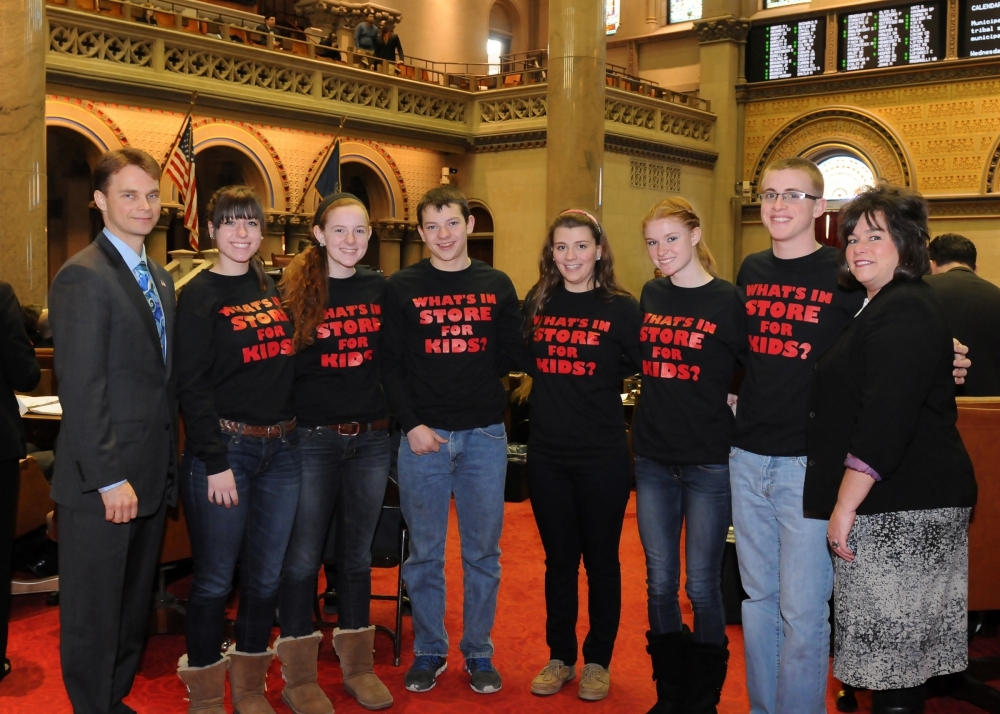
x=35, y=685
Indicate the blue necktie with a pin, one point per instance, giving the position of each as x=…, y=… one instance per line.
x=146, y=285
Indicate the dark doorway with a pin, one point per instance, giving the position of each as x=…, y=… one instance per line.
x=72, y=219
x=215, y=167
x=481, y=238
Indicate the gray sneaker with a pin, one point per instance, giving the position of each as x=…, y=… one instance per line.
x=424, y=672
x=485, y=678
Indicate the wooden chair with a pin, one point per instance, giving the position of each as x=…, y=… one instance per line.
x=979, y=425
x=33, y=506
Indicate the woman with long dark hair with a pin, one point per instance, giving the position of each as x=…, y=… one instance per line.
x=693, y=336
x=240, y=471
x=336, y=306
x=580, y=323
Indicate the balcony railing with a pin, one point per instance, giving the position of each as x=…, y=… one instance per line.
x=234, y=26
x=103, y=43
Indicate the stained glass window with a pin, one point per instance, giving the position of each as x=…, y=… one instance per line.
x=844, y=176
x=685, y=10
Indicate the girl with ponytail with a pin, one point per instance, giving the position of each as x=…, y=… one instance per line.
x=692, y=337
x=336, y=306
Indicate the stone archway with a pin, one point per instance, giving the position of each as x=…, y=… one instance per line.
x=855, y=128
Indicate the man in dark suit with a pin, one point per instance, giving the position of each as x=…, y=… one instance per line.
x=18, y=370
x=112, y=314
x=972, y=308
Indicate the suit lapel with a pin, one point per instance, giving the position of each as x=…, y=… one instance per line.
x=131, y=287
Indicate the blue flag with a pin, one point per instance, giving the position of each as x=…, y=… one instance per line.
x=329, y=180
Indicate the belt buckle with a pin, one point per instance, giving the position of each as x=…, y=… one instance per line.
x=353, y=430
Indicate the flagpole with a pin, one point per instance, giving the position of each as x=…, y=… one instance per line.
x=177, y=139
x=315, y=176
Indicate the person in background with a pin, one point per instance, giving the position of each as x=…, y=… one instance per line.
x=336, y=306
x=241, y=466
x=366, y=35
x=19, y=371
x=580, y=325
x=971, y=306
x=330, y=43
x=693, y=338
x=112, y=312
x=887, y=466
x=147, y=15
x=449, y=321
x=387, y=44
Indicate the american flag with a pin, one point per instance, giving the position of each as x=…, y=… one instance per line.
x=180, y=167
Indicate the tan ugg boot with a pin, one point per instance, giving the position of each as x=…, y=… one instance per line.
x=248, y=681
x=298, y=657
x=206, y=685
x=355, y=649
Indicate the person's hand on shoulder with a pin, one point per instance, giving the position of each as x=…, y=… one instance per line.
x=121, y=504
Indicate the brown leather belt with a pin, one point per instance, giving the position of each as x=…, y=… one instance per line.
x=273, y=431
x=353, y=428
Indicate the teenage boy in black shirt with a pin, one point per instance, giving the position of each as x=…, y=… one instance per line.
x=795, y=311
x=447, y=320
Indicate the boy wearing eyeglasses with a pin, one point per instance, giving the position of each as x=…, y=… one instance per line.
x=795, y=311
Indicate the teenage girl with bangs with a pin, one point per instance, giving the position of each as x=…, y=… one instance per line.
x=336, y=305
x=580, y=324
x=692, y=338
x=240, y=472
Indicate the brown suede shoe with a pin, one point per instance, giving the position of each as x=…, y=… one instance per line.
x=355, y=649
x=206, y=685
x=248, y=681
x=298, y=657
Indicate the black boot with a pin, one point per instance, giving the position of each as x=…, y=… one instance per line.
x=706, y=666
x=909, y=700
x=668, y=653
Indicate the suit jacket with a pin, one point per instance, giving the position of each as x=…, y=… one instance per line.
x=387, y=49
x=972, y=308
x=18, y=370
x=118, y=398
x=884, y=393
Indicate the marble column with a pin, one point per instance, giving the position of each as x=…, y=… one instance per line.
x=391, y=235
x=23, y=238
x=722, y=41
x=575, y=135
x=156, y=241
x=412, y=248
x=273, y=238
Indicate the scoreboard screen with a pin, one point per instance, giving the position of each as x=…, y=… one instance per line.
x=785, y=50
x=891, y=36
x=980, y=28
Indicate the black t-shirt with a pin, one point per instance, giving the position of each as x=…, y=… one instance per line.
x=337, y=377
x=444, y=338
x=578, y=346
x=692, y=340
x=795, y=311
x=234, y=360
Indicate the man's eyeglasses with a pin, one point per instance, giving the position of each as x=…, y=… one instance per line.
x=786, y=196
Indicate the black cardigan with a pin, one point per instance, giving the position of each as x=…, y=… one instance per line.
x=885, y=393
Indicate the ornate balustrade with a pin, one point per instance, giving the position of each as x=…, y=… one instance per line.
x=124, y=55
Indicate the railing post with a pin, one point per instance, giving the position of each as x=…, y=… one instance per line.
x=394, y=99
x=178, y=21
x=159, y=58
x=317, y=84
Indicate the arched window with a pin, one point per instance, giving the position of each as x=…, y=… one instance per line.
x=501, y=33
x=844, y=175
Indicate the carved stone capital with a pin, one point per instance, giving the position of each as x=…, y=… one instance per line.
x=722, y=29
x=338, y=14
x=395, y=231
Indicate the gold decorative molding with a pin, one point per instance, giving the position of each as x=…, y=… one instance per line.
x=951, y=32
x=990, y=182
x=873, y=79
x=846, y=125
x=335, y=13
x=662, y=152
x=722, y=29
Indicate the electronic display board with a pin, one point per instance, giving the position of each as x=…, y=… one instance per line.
x=771, y=4
x=980, y=28
x=785, y=50
x=891, y=36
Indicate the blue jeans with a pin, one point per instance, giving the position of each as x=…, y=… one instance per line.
x=345, y=475
x=667, y=496
x=788, y=575
x=254, y=534
x=473, y=466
